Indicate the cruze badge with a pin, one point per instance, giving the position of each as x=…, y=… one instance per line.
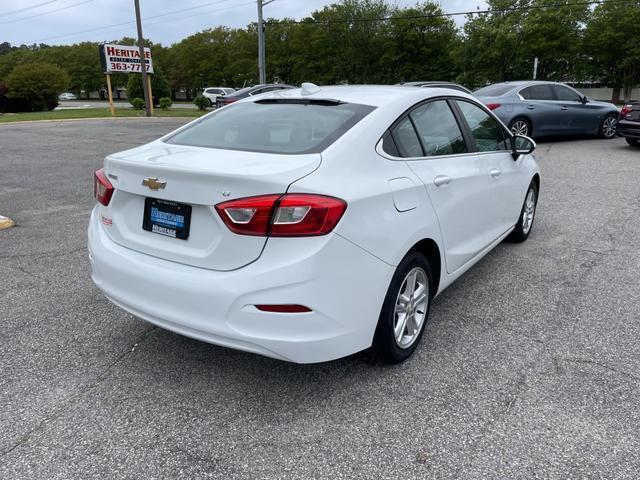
x=153, y=183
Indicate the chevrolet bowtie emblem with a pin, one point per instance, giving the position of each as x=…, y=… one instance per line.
x=153, y=183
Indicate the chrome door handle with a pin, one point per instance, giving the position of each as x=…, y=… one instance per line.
x=564, y=108
x=495, y=172
x=531, y=107
x=441, y=180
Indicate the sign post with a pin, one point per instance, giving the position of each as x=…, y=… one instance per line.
x=125, y=59
x=111, y=105
x=150, y=93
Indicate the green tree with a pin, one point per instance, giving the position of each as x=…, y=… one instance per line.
x=37, y=85
x=159, y=85
x=612, y=47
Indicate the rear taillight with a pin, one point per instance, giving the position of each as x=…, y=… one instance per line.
x=626, y=110
x=493, y=106
x=289, y=215
x=227, y=101
x=102, y=187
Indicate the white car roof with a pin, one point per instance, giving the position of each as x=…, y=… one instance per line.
x=374, y=95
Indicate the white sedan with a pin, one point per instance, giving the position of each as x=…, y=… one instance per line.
x=312, y=223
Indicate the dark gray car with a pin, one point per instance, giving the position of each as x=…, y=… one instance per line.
x=540, y=109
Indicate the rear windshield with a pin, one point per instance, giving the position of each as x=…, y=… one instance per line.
x=493, y=90
x=274, y=126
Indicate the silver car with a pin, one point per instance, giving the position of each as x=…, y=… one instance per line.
x=541, y=109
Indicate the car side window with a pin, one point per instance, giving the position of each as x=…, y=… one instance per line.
x=537, y=92
x=438, y=129
x=407, y=139
x=565, y=94
x=486, y=131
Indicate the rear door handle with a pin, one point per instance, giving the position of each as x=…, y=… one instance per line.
x=531, y=107
x=441, y=180
x=495, y=172
x=564, y=108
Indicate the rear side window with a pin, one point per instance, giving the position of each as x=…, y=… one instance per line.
x=486, y=131
x=438, y=129
x=283, y=126
x=406, y=139
x=537, y=92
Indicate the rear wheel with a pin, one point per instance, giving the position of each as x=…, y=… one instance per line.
x=634, y=142
x=608, y=126
x=405, y=309
x=520, y=126
x=525, y=222
x=210, y=102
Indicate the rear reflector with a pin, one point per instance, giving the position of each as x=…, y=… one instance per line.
x=102, y=188
x=493, y=106
x=289, y=215
x=283, y=308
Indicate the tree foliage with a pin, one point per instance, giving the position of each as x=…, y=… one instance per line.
x=37, y=85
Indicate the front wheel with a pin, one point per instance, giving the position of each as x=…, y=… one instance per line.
x=608, y=126
x=405, y=309
x=525, y=222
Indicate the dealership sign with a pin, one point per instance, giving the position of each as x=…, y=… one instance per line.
x=124, y=59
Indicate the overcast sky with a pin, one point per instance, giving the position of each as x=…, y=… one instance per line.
x=72, y=21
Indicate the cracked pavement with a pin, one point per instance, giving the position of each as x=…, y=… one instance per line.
x=529, y=367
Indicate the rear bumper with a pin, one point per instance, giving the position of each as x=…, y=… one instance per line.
x=342, y=284
x=628, y=129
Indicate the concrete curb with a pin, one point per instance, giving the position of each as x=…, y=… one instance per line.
x=19, y=122
x=6, y=222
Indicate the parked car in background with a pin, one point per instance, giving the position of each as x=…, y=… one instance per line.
x=212, y=93
x=249, y=92
x=540, y=109
x=629, y=123
x=67, y=96
x=455, y=86
x=312, y=223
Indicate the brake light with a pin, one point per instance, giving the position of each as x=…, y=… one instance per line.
x=493, y=106
x=289, y=215
x=625, y=111
x=227, y=101
x=102, y=188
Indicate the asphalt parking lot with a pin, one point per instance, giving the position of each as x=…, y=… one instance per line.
x=529, y=367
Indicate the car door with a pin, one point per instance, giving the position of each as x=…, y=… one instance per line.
x=508, y=180
x=457, y=184
x=578, y=117
x=540, y=107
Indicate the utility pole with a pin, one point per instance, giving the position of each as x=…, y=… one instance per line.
x=535, y=68
x=261, y=59
x=143, y=63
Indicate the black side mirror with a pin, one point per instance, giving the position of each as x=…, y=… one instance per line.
x=584, y=99
x=521, y=145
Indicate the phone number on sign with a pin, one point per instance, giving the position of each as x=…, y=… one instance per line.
x=125, y=67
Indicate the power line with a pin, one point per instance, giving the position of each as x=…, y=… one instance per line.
x=16, y=20
x=119, y=26
x=310, y=21
x=20, y=10
x=107, y=27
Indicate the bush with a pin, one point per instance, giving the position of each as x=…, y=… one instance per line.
x=165, y=103
x=201, y=102
x=138, y=103
x=159, y=85
x=35, y=86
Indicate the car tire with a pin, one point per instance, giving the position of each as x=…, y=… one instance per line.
x=520, y=126
x=608, y=126
x=634, y=142
x=527, y=215
x=210, y=102
x=410, y=293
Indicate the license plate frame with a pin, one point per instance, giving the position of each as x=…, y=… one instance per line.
x=167, y=218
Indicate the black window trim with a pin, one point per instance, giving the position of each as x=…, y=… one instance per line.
x=553, y=92
x=462, y=125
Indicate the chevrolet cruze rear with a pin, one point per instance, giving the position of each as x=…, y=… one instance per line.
x=283, y=225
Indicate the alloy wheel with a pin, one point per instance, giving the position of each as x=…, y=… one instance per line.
x=609, y=127
x=411, y=307
x=520, y=127
x=529, y=211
